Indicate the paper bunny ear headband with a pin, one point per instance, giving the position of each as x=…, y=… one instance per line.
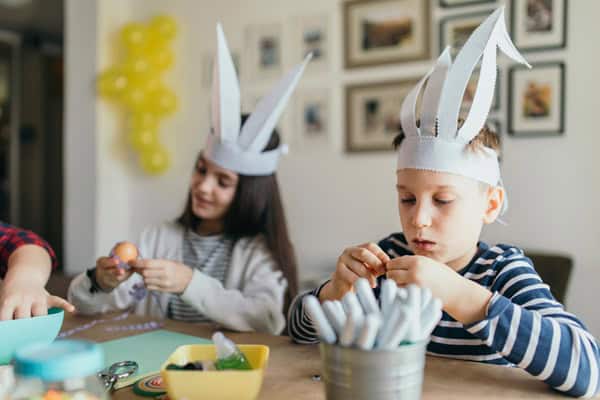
x=242, y=151
x=437, y=143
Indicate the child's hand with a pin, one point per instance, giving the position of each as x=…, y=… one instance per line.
x=363, y=261
x=426, y=273
x=163, y=275
x=24, y=300
x=108, y=274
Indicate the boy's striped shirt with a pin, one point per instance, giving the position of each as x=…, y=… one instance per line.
x=525, y=326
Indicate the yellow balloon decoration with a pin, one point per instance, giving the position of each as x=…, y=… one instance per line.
x=136, y=85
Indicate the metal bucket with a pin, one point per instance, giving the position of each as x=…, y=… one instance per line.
x=354, y=374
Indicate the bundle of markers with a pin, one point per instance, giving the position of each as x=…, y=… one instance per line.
x=407, y=315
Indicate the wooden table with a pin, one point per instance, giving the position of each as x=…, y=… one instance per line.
x=291, y=367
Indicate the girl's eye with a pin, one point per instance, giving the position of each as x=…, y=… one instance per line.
x=201, y=169
x=224, y=184
x=408, y=200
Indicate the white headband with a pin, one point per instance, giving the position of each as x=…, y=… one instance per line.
x=438, y=144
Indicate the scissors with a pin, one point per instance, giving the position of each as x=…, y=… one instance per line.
x=116, y=371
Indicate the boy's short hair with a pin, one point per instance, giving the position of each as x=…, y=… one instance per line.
x=486, y=137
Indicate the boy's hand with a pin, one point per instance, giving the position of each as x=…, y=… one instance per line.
x=163, y=275
x=23, y=299
x=362, y=261
x=426, y=273
x=109, y=275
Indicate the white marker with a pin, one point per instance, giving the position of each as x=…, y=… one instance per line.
x=366, y=297
x=354, y=323
x=413, y=309
x=340, y=307
x=336, y=317
x=322, y=326
x=351, y=304
x=385, y=332
x=430, y=317
x=403, y=293
x=426, y=297
x=387, y=295
x=399, y=331
x=368, y=333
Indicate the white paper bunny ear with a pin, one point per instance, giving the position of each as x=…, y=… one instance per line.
x=225, y=93
x=481, y=45
x=258, y=127
x=437, y=144
x=242, y=152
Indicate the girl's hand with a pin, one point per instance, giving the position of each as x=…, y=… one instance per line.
x=163, y=275
x=109, y=275
x=362, y=261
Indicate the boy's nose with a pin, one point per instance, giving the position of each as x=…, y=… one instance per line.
x=422, y=217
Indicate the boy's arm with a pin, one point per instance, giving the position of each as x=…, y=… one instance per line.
x=529, y=328
x=300, y=326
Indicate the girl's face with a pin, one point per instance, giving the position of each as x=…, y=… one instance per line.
x=212, y=189
x=442, y=214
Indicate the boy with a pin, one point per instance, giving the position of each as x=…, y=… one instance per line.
x=496, y=308
x=25, y=264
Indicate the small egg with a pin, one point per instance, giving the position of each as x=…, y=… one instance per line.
x=126, y=251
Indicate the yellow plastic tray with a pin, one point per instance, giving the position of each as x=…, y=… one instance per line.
x=214, y=385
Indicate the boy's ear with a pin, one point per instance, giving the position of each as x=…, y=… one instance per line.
x=494, y=201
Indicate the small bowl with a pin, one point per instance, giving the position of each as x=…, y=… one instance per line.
x=17, y=333
x=214, y=385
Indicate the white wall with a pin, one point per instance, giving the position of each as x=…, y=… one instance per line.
x=334, y=199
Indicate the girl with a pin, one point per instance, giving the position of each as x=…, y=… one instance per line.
x=228, y=257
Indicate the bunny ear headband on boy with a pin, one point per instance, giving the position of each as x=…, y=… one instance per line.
x=242, y=151
x=437, y=143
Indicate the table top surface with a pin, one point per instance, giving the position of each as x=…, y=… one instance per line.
x=291, y=367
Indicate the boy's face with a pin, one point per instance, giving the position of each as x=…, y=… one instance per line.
x=442, y=214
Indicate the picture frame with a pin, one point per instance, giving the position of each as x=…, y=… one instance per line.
x=379, y=32
x=537, y=100
x=372, y=114
x=313, y=120
x=456, y=29
x=538, y=25
x=313, y=34
x=463, y=3
x=263, y=52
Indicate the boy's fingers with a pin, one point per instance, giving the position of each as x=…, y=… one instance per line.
x=379, y=253
x=400, y=276
x=356, y=266
x=367, y=257
x=106, y=262
x=39, y=308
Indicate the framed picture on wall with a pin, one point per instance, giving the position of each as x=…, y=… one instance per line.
x=456, y=29
x=313, y=35
x=539, y=24
x=460, y=3
x=385, y=31
x=537, y=100
x=373, y=114
x=263, y=51
x=312, y=131
x=470, y=94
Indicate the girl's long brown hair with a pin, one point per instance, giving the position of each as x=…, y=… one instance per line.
x=257, y=208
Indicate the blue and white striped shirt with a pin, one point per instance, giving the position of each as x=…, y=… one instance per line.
x=524, y=326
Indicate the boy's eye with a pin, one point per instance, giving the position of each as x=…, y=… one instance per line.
x=224, y=184
x=444, y=201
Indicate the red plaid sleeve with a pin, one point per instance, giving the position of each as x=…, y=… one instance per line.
x=11, y=238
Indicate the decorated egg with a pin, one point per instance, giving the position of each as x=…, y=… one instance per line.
x=125, y=252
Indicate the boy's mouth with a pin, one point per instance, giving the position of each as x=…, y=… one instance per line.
x=423, y=244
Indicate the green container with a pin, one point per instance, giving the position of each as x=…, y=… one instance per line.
x=17, y=333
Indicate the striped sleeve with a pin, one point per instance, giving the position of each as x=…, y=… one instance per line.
x=300, y=326
x=529, y=328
